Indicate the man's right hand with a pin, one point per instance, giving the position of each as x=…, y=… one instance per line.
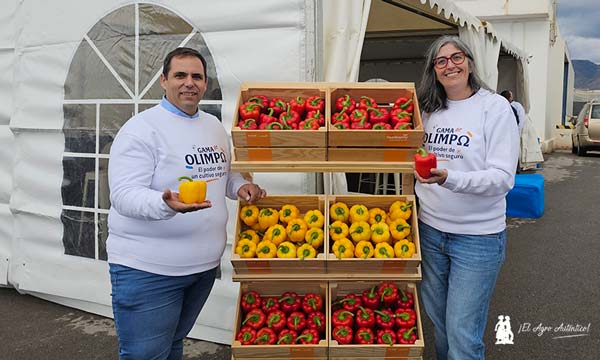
x=172, y=200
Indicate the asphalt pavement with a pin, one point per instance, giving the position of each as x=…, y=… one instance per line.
x=549, y=286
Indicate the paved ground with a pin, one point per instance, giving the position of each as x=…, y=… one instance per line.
x=550, y=278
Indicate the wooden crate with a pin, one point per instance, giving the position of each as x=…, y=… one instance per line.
x=370, y=154
x=374, y=352
x=276, y=288
x=384, y=94
x=359, y=268
x=277, y=267
x=280, y=154
x=280, y=138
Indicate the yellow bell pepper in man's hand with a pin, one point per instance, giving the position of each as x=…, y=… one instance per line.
x=191, y=192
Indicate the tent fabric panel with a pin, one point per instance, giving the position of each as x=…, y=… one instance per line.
x=6, y=237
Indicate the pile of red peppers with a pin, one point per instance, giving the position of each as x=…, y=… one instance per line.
x=299, y=113
x=366, y=114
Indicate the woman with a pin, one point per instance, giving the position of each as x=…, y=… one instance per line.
x=462, y=205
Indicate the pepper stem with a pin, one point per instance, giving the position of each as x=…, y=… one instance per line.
x=184, y=178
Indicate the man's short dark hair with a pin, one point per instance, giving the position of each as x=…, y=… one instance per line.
x=506, y=94
x=182, y=52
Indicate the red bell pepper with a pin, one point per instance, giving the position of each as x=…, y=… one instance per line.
x=342, y=334
x=388, y=293
x=403, y=126
x=272, y=126
x=312, y=302
x=366, y=102
x=269, y=304
x=260, y=99
x=316, y=320
x=342, y=318
x=296, y=321
x=350, y=302
x=359, y=115
x=424, y=162
x=289, y=117
x=308, y=336
x=362, y=124
x=276, y=320
x=405, y=318
x=370, y=299
x=248, y=124
x=379, y=115
x=298, y=104
x=250, y=110
x=290, y=302
x=308, y=124
x=316, y=115
x=407, y=336
x=268, y=117
x=255, y=319
x=386, y=336
x=342, y=125
x=364, y=336
x=406, y=300
x=287, y=336
x=265, y=336
x=365, y=318
x=384, y=319
x=339, y=117
x=247, y=335
x=278, y=105
x=382, y=126
x=345, y=104
x=250, y=300
x=400, y=116
x=405, y=104
x=315, y=103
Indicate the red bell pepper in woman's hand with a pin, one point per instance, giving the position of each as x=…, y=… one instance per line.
x=386, y=336
x=365, y=318
x=316, y=320
x=364, y=336
x=407, y=336
x=382, y=126
x=405, y=318
x=384, y=319
x=316, y=115
x=276, y=320
x=247, y=335
x=308, y=336
x=342, y=318
x=378, y=115
x=315, y=103
x=260, y=99
x=290, y=302
x=298, y=104
x=255, y=319
x=406, y=300
x=424, y=162
x=296, y=321
x=265, y=336
x=287, y=336
x=312, y=302
x=366, y=102
x=250, y=110
x=345, y=104
x=350, y=302
x=269, y=304
x=250, y=300
x=388, y=293
x=400, y=116
x=342, y=334
x=370, y=298
x=405, y=104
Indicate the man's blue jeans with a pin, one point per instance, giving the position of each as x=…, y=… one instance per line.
x=459, y=275
x=154, y=313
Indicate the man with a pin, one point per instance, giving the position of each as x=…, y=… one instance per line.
x=163, y=254
x=517, y=108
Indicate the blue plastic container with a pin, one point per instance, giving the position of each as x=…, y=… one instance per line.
x=526, y=199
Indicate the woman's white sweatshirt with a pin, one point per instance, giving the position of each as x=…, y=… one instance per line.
x=477, y=141
x=149, y=153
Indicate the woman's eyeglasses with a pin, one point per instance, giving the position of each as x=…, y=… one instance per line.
x=457, y=58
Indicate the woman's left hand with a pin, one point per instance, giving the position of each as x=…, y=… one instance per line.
x=251, y=192
x=438, y=176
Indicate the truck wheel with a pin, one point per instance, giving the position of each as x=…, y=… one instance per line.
x=580, y=150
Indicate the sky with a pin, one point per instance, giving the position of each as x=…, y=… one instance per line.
x=579, y=25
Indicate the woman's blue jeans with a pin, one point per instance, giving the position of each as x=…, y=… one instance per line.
x=459, y=275
x=154, y=313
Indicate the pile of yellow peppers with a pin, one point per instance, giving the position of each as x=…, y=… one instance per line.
x=280, y=233
x=365, y=233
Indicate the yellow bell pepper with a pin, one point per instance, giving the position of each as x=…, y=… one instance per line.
x=296, y=230
x=358, y=213
x=404, y=249
x=377, y=215
x=380, y=232
x=359, y=231
x=256, y=227
x=314, y=218
x=399, y=229
x=401, y=212
x=339, y=212
x=249, y=214
x=314, y=237
x=343, y=248
x=364, y=250
x=384, y=251
x=286, y=250
x=245, y=248
x=191, y=192
x=275, y=234
x=396, y=205
x=268, y=217
x=306, y=252
x=338, y=230
x=288, y=213
x=250, y=235
x=266, y=249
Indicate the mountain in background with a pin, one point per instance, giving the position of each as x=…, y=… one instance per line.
x=587, y=75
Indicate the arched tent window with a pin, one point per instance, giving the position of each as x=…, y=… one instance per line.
x=114, y=74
